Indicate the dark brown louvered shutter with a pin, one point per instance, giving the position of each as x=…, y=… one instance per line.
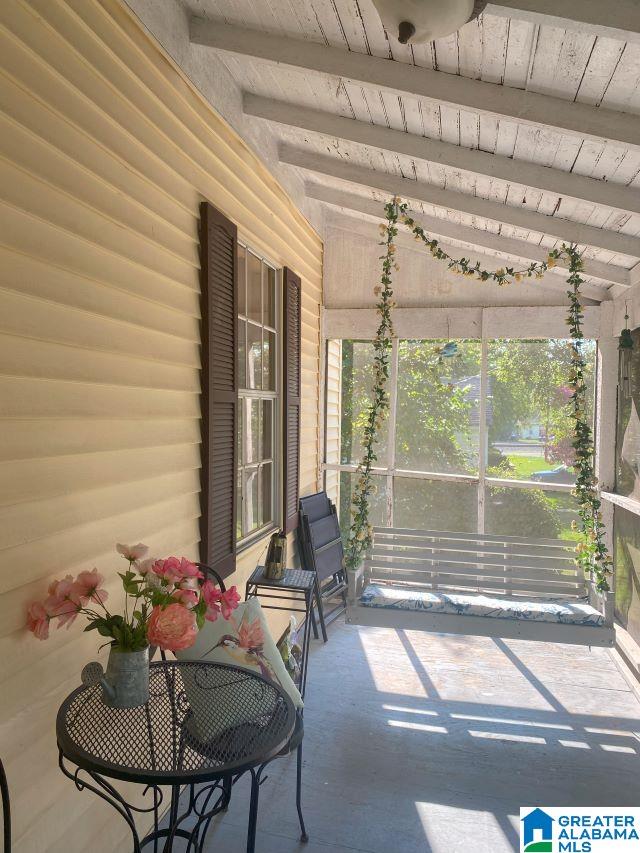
x=292, y=393
x=219, y=248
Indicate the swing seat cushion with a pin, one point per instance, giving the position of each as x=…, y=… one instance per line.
x=566, y=612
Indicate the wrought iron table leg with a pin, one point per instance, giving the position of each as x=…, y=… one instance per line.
x=253, y=809
x=6, y=810
x=303, y=832
x=107, y=792
x=173, y=818
x=227, y=784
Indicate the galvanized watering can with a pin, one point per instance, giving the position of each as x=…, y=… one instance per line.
x=125, y=684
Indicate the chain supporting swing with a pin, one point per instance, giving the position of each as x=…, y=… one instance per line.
x=591, y=552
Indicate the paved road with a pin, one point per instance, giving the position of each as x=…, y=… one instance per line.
x=520, y=448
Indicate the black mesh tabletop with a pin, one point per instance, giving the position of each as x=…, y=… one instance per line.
x=202, y=721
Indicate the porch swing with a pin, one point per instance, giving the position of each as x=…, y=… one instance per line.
x=465, y=583
x=509, y=587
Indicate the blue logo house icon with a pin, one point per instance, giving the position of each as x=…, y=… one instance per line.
x=537, y=832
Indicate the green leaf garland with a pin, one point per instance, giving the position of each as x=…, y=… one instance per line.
x=591, y=551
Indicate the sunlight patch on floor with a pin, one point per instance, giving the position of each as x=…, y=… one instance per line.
x=392, y=672
x=418, y=727
x=399, y=710
x=507, y=737
x=459, y=830
x=506, y=722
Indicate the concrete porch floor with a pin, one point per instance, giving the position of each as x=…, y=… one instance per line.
x=423, y=742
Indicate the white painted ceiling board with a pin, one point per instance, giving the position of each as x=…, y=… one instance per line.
x=463, y=233
x=590, y=64
x=561, y=227
x=619, y=19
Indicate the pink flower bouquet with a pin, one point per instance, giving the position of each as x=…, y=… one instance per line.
x=166, y=603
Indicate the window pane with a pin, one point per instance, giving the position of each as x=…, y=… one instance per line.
x=239, y=531
x=251, y=500
x=269, y=361
x=435, y=505
x=437, y=422
x=250, y=430
x=266, y=477
x=267, y=429
x=254, y=351
x=530, y=512
x=257, y=356
x=242, y=354
x=357, y=382
x=528, y=413
x=242, y=280
x=628, y=442
x=377, y=504
x=254, y=288
x=627, y=570
x=239, y=436
x=269, y=303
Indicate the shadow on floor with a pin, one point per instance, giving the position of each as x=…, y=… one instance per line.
x=422, y=742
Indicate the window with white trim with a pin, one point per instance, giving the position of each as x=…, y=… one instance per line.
x=258, y=392
x=477, y=439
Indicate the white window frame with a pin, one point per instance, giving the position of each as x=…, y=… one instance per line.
x=480, y=324
x=247, y=540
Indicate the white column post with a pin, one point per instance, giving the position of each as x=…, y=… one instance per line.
x=605, y=415
x=483, y=432
x=322, y=409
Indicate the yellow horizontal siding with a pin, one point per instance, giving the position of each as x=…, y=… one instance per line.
x=106, y=151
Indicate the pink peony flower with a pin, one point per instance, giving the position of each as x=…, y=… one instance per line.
x=172, y=628
x=188, y=597
x=64, y=601
x=229, y=600
x=132, y=552
x=219, y=602
x=212, y=595
x=88, y=586
x=176, y=569
x=38, y=620
x=145, y=566
x=189, y=570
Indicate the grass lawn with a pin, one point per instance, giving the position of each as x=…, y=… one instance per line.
x=525, y=466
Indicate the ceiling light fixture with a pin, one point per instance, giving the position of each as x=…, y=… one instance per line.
x=420, y=21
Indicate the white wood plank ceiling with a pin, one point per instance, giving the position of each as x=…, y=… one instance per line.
x=523, y=127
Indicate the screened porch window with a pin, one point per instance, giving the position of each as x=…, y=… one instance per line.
x=478, y=437
x=258, y=383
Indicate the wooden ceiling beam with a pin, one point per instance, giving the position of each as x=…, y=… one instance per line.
x=552, y=283
x=553, y=226
x=500, y=102
x=617, y=20
x=471, y=161
x=485, y=240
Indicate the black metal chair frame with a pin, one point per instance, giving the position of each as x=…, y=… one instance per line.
x=295, y=743
x=258, y=589
x=314, y=557
x=6, y=809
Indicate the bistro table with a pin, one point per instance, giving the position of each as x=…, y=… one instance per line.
x=204, y=726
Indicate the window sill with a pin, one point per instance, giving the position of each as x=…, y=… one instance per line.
x=630, y=504
x=255, y=538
